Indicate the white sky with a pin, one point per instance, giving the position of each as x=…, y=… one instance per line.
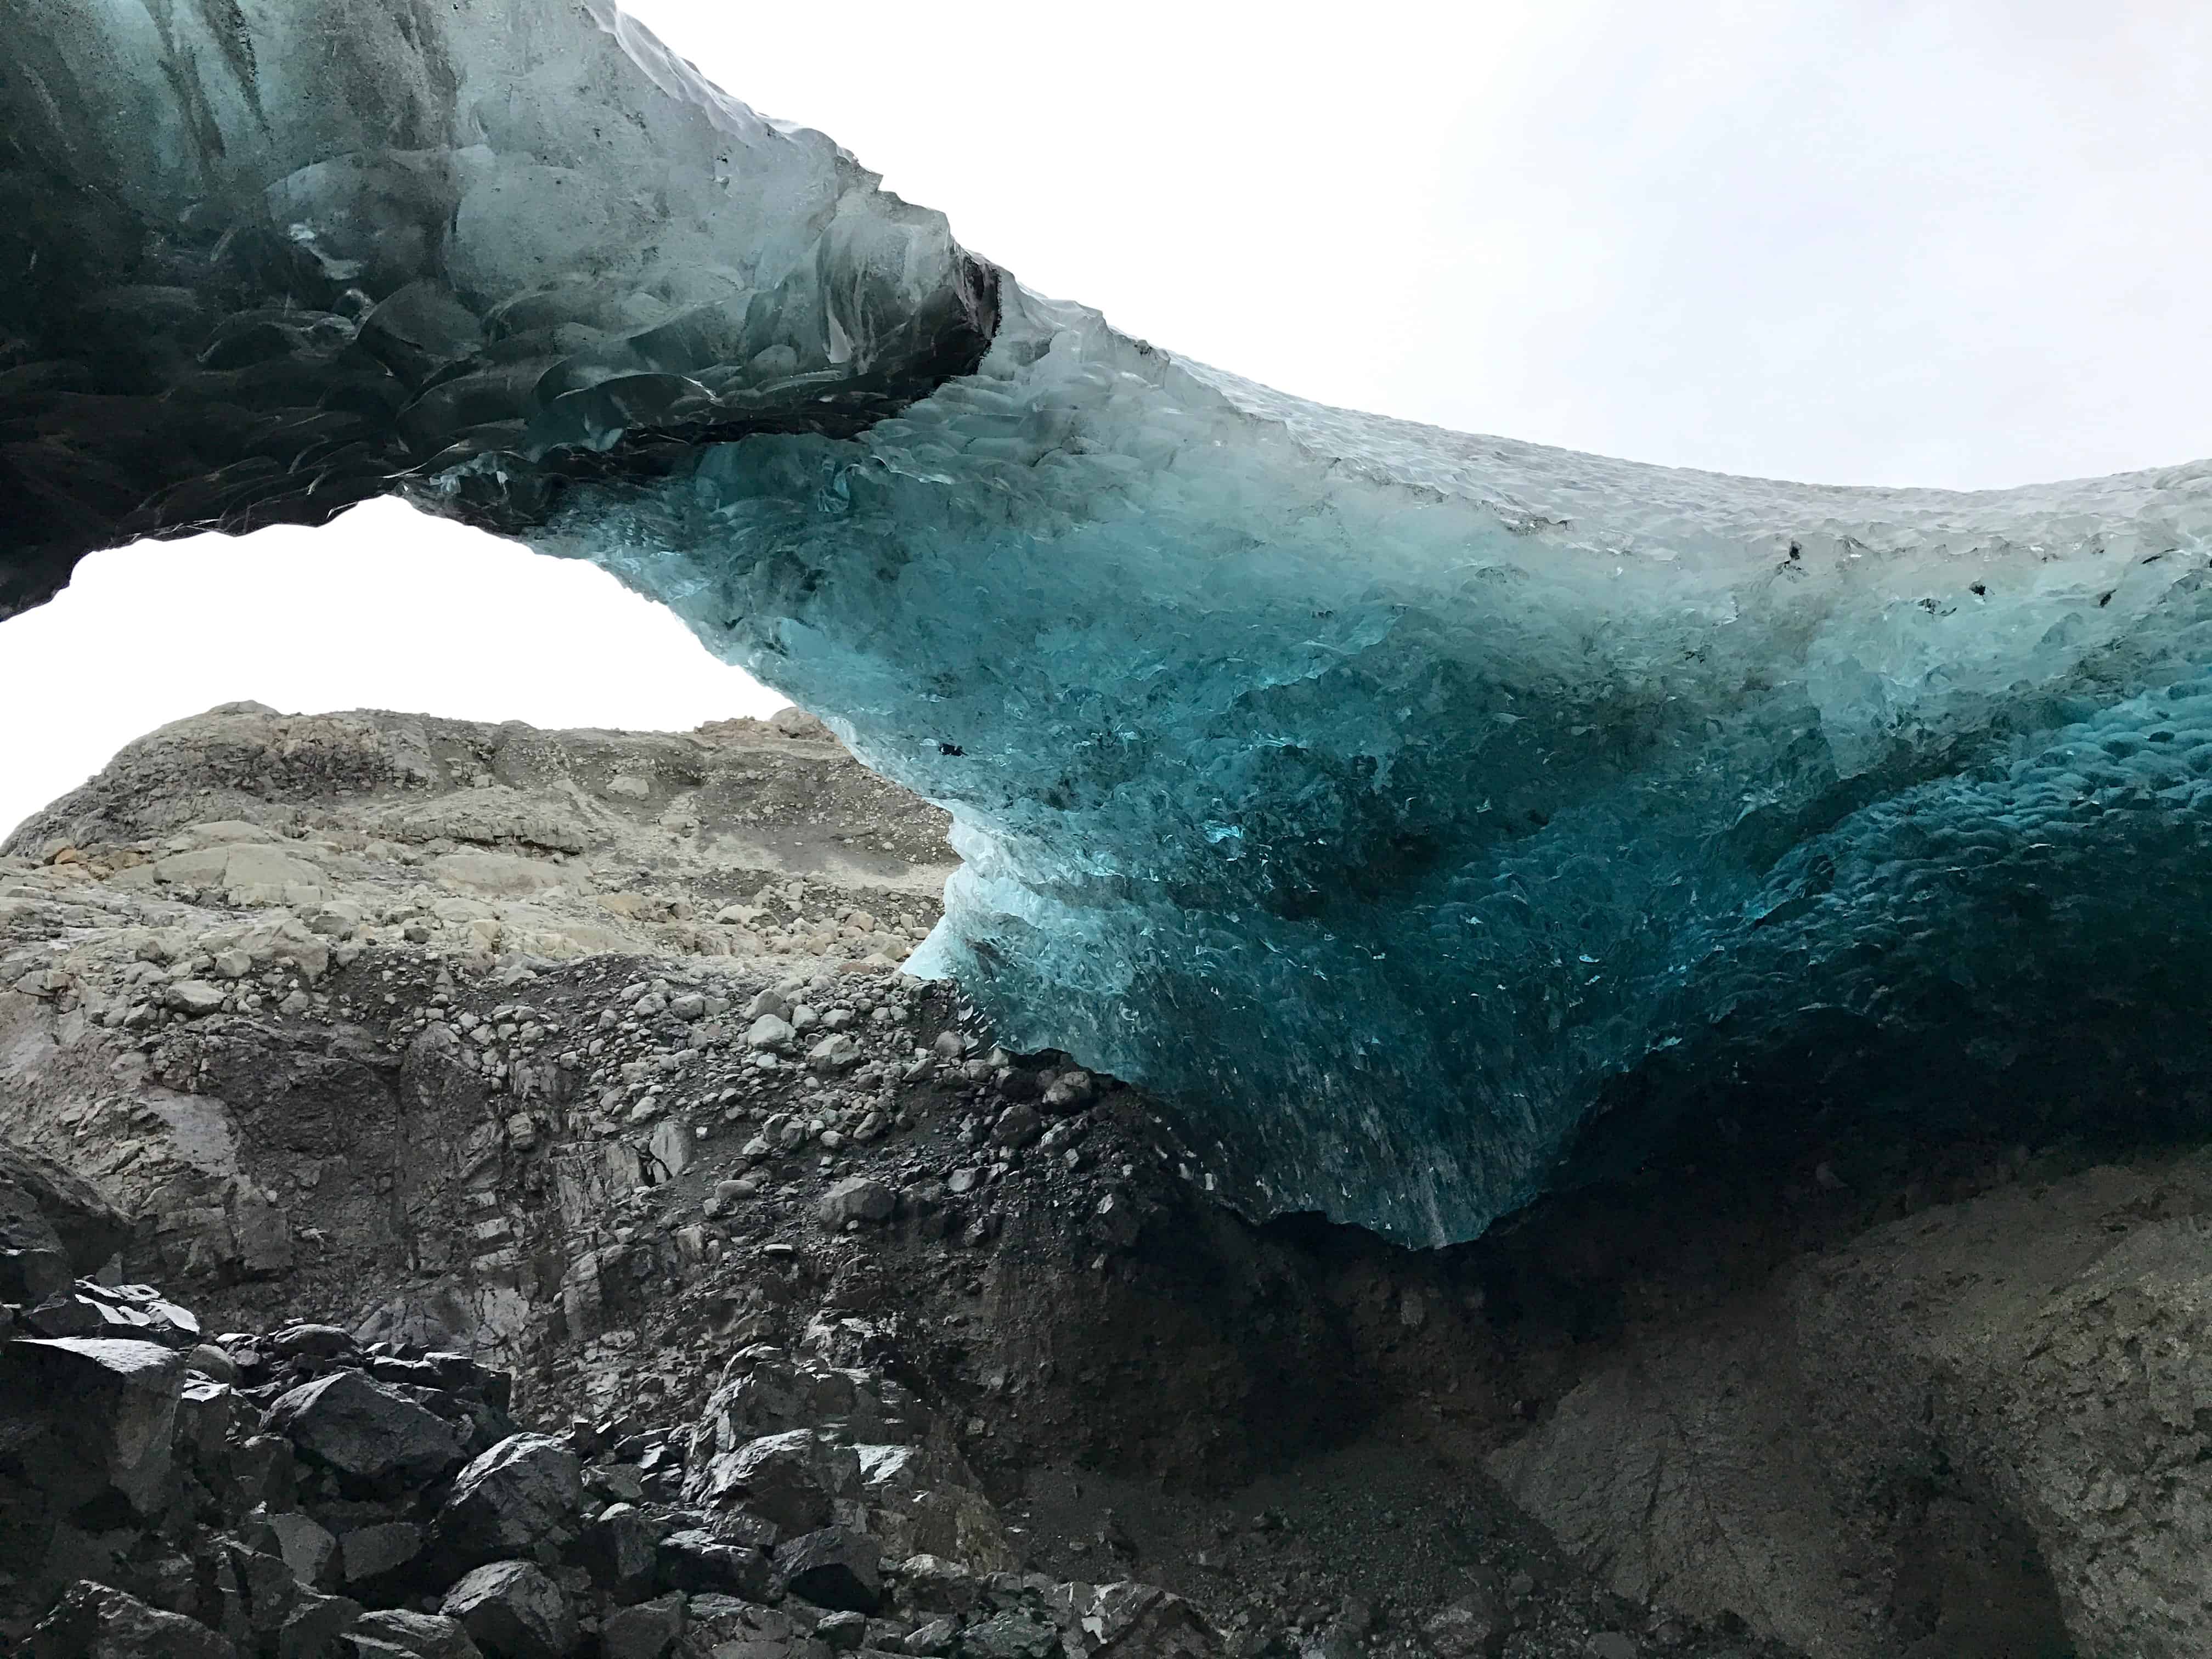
x=1952, y=243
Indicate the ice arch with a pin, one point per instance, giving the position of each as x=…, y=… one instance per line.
x=1391, y=800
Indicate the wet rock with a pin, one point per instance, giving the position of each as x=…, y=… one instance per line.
x=94, y=1622
x=131, y=1312
x=521, y=1499
x=246, y=1594
x=95, y=1419
x=789, y=1478
x=55, y=1227
x=371, y=1436
x=619, y=1548
x=833, y=1567
x=726, y=1628
x=264, y=1474
x=1017, y=1127
x=314, y=1626
x=303, y=1544
x=696, y=1562
x=206, y=1414
x=368, y=1554
x=417, y=1635
x=513, y=1611
x=647, y=1630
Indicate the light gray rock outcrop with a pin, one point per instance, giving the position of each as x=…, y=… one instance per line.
x=1966, y=1427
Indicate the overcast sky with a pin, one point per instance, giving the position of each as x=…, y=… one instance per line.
x=1857, y=242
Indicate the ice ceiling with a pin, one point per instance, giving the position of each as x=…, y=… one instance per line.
x=1397, y=804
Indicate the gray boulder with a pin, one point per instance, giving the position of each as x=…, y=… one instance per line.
x=836, y=1054
x=205, y=1360
x=931, y=1583
x=55, y=1227
x=513, y=1611
x=1018, y=1126
x=855, y=1198
x=699, y=1563
x=770, y=1033
x=368, y=1554
x=94, y=1622
x=134, y=1312
x=313, y=1629
x=93, y=1417
x=521, y=1499
x=311, y=1342
x=371, y=1436
x=252, y=1594
x=744, y=1630
x=619, y=1548
x=194, y=997
x=647, y=1630
x=789, y=1479
x=833, y=1567
x=302, y=1543
x=932, y=1639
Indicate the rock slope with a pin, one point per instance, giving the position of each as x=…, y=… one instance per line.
x=564, y=1088
x=297, y=1494
x=276, y=982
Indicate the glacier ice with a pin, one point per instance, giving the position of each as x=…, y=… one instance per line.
x=1403, y=807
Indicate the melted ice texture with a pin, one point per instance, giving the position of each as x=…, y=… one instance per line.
x=1391, y=801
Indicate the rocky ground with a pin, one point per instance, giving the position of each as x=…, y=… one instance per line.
x=563, y=1086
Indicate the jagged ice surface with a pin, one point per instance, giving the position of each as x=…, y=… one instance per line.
x=1391, y=801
